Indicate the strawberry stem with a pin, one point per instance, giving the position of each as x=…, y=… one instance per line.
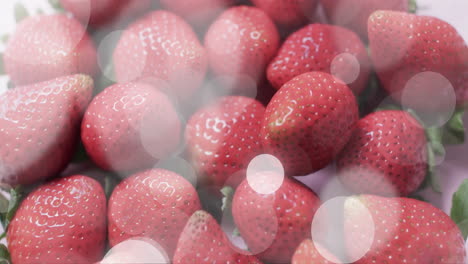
x=412, y=6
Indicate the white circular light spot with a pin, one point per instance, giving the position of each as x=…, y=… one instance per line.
x=265, y=174
x=138, y=251
x=345, y=67
x=105, y=49
x=431, y=96
x=330, y=226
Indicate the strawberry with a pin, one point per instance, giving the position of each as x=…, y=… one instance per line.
x=308, y=122
x=307, y=253
x=274, y=224
x=325, y=48
x=354, y=14
x=49, y=46
x=386, y=155
x=156, y=204
x=130, y=126
x=63, y=221
x=39, y=125
x=203, y=241
x=241, y=41
x=406, y=231
x=161, y=46
x=224, y=136
x=198, y=12
x=101, y=12
x=405, y=45
x=289, y=13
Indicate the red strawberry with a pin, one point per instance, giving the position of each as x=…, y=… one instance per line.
x=100, y=12
x=39, y=125
x=308, y=253
x=406, y=231
x=241, y=41
x=155, y=204
x=405, y=45
x=203, y=241
x=274, y=224
x=289, y=13
x=325, y=48
x=49, y=46
x=130, y=126
x=161, y=46
x=354, y=14
x=198, y=12
x=308, y=122
x=386, y=155
x=223, y=137
x=63, y=221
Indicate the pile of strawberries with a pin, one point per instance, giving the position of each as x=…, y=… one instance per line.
x=172, y=124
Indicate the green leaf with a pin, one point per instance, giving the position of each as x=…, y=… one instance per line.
x=2, y=67
x=459, y=211
x=55, y=4
x=434, y=136
x=454, y=130
x=227, y=192
x=13, y=203
x=20, y=12
x=412, y=6
x=432, y=178
x=4, y=38
x=4, y=255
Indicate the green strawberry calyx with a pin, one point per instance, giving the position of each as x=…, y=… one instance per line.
x=459, y=211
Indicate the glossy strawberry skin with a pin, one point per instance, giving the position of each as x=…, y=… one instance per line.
x=314, y=48
x=288, y=211
x=241, y=41
x=40, y=126
x=63, y=221
x=198, y=12
x=354, y=14
x=155, y=203
x=130, y=126
x=307, y=253
x=49, y=46
x=386, y=155
x=161, y=46
x=100, y=12
x=289, y=13
x=223, y=137
x=203, y=241
x=308, y=122
x=406, y=231
x=403, y=45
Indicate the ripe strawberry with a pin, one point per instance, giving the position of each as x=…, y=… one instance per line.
x=49, y=46
x=274, y=224
x=325, y=48
x=354, y=14
x=224, y=136
x=101, y=12
x=130, y=126
x=39, y=125
x=386, y=155
x=241, y=41
x=405, y=45
x=406, y=231
x=161, y=46
x=307, y=253
x=198, y=12
x=308, y=122
x=289, y=13
x=156, y=204
x=63, y=221
x=203, y=241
